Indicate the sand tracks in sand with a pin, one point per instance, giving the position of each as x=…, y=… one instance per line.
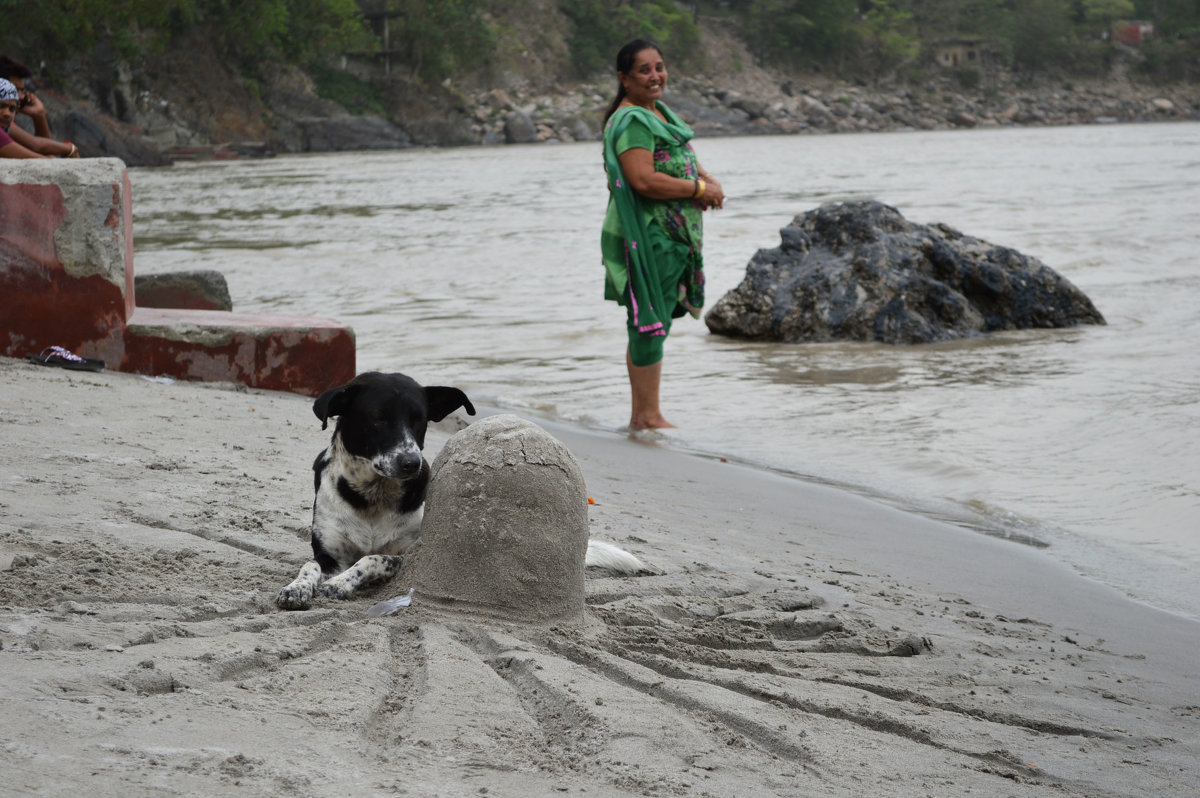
x=692, y=682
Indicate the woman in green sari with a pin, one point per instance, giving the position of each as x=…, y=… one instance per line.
x=652, y=235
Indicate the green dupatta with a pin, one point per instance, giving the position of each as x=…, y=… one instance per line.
x=643, y=290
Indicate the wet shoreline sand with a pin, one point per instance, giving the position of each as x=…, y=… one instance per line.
x=800, y=640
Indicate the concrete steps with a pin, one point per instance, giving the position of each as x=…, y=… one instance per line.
x=66, y=279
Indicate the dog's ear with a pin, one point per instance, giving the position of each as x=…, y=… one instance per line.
x=443, y=401
x=333, y=402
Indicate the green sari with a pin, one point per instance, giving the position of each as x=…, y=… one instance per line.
x=652, y=249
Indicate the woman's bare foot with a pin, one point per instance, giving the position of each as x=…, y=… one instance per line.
x=646, y=422
x=643, y=385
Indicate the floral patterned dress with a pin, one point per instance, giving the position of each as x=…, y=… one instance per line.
x=652, y=249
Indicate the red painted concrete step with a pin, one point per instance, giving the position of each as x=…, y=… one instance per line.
x=284, y=353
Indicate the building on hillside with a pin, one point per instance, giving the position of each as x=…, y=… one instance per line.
x=962, y=51
x=1131, y=32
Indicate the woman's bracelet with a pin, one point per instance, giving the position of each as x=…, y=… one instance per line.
x=700, y=188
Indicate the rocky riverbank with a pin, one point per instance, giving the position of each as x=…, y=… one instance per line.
x=186, y=104
x=795, y=106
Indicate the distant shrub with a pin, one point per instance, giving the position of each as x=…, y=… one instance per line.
x=968, y=77
x=1088, y=58
x=355, y=94
x=1170, y=60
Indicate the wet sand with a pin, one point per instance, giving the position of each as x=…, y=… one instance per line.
x=799, y=640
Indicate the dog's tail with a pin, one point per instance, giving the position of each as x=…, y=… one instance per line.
x=610, y=558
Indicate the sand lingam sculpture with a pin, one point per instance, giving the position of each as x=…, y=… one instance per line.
x=506, y=525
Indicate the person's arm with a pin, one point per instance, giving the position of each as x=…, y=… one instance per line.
x=44, y=146
x=638, y=166
x=14, y=150
x=37, y=112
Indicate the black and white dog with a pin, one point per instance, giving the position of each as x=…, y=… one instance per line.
x=370, y=485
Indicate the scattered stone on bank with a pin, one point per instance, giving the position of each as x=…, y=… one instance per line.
x=505, y=531
x=199, y=289
x=860, y=271
x=519, y=129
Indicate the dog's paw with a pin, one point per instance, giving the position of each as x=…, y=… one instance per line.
x=336, y=590
x=294, y=597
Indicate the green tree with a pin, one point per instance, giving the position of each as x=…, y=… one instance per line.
x=249, y=31
x=1170, y=17
x=937, y=19
x=599, y=28
x=801, y=33
x=1039, y=32
x=436, y=39
x=1101, y=13
x=887, y=38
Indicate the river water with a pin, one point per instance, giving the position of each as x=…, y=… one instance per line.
x=479, y=267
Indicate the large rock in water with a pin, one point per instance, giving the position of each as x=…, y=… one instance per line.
x=860, y=271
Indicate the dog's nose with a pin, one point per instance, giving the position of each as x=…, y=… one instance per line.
x=410, y=463
x=405, y=465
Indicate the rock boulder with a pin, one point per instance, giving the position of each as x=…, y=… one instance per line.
x=860, y=271
x=197, y=289
x=345, y=132
x=519, y=128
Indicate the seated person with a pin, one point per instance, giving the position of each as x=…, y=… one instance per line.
x=39, y=141
x=9, y=100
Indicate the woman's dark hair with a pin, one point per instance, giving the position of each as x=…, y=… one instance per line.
x=625, y=59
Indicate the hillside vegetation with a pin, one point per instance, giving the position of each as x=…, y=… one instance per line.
x=433, y=40
x=149, y=81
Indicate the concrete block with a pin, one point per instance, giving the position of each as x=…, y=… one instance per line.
x=274, y=352
x=66, y=256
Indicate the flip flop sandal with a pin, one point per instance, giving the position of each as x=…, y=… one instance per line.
x=57, y=356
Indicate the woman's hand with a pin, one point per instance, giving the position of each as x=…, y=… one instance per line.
x=714, y=195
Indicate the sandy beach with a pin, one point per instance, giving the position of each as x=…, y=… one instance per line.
x=799, y=640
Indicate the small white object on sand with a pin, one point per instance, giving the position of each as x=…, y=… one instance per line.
x=391, y=605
